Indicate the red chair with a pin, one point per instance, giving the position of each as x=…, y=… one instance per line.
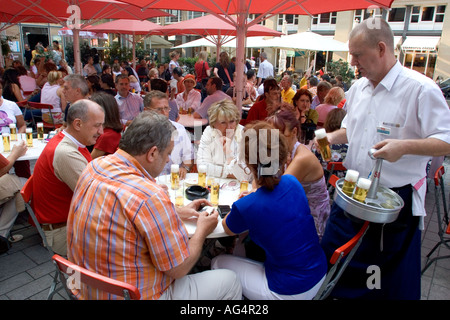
x=332, y=167
x=44, y=106
x=94, y=280
x=27, y=194
x=348, y=250
x=443, y=220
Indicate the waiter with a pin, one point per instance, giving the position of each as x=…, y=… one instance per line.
x=403, y=115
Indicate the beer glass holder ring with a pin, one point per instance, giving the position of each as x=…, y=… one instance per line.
x=383, y=208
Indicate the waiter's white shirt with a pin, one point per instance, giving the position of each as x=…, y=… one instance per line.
x=404, y=105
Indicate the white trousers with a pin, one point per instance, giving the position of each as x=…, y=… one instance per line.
x=253, y=279
x=206, y=285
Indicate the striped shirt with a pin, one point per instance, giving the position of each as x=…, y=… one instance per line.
x=123, y=225
x=129, y=106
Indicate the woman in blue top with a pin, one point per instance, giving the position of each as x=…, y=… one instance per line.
x=278, y=219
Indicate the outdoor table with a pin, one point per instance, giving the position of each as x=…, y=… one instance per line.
x=228, y=194
x=188, y=121
x=32, y=153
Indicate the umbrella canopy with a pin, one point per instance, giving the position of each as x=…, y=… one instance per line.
x=138, y=29
x=74, y=14
x=218, y=28
x=307, y=41
x=265, y=9
x=232, y=7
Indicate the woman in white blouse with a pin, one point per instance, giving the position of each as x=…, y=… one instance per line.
x=219, y=145
x=189, y=98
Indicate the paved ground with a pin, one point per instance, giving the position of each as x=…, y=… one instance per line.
x=26, y=270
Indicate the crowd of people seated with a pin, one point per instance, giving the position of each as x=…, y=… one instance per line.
x=114, y=117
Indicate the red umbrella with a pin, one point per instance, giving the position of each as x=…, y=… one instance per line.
x=265, y=9
x=64, y=12
x=143, y=28
x=212, y=25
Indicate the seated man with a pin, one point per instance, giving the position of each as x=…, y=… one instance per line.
x=182, y=153
x=59, y=166
x=215, y=93
x=287, y=93
x=11, y=202
x=130, y=104
x=122, y=224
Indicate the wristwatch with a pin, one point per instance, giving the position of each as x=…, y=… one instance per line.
x=186, y=167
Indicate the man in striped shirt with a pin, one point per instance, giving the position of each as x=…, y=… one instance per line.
x=123, y=225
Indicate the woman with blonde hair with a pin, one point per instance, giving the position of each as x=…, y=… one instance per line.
x=52, y=93
x=219, y=145
x=278, y=220
x=332, y=99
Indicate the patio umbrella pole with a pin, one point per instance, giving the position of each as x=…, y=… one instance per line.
x=76, y=50
x=241, y=30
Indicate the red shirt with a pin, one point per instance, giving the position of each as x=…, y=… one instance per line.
x=257, y=112
x=108, y=141
x=199, y=71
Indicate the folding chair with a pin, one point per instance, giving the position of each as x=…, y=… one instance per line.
x=27, y=193
x=443, y=221
x=332, y=185
x=337, y=270
x=332, y=167
x=44, y=106
x=94, y=280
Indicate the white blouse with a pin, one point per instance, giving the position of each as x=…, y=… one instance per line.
x=210, y=153
x=193, y=100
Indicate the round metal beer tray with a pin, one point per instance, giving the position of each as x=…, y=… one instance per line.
x=384, y=209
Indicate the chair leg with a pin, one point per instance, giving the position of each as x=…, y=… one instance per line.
x=53, y=287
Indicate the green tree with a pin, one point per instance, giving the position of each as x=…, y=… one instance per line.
x=343, y=69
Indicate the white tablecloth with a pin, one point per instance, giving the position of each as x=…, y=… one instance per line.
x=229, y=192
x=32, y=153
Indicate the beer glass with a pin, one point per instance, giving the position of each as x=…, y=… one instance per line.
x=13, y=132
x=190, y=111
x=350, y=182
x=29, y=137
x=40, y=130
x=6, y=142
x=174, y=176
x=202, y=175
x=244, y=186
x=324, y=145
x=179, y=194
x=362, y=188
x=215, y=187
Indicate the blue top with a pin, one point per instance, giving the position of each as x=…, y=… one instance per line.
x=280, y=222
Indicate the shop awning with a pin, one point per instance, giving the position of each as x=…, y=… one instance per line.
x=420, y=43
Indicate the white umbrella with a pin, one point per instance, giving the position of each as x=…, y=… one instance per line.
x=307, y=41
x=83, y=34
x=251, y=42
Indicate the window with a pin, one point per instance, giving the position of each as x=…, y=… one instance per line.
x=254, y=16
x=290, y=19
x=397, y=15
x=427, y=14
x=361, y=15
x=439, y=14
x=195, y=14
x=176, y=18
x=325, y=18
